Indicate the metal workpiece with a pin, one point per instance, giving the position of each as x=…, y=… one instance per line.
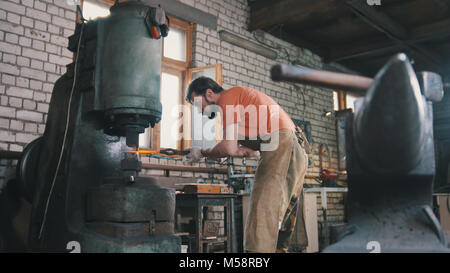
x=390, y=162
x=389, y=126
x=431, y=84
x=315, y=77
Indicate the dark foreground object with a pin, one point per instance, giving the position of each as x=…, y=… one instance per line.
x=391, y=165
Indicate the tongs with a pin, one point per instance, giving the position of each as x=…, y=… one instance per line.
x=171, y=152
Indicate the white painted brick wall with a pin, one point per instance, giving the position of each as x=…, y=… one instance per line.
x=33, y=35
x=242, y=67
x=33, y=41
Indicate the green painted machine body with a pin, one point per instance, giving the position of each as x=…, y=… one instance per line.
x=128, y=64
x=98, y=108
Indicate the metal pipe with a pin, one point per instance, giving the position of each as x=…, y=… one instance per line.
x=327, y=79
x=195, y=169
x=249, y=45
x=17, y=155
x=184, y=168
x=10, y=155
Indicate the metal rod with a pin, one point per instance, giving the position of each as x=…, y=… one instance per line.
x=10, y=155
x=17, y=155
x=196, y=169
x=184, y=168
x=327, y=79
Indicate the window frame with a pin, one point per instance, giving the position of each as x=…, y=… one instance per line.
x=110, y=2
x=218, y=119
x=155, y=135
x=173, y=66
x=189, y=29
x=342, y=99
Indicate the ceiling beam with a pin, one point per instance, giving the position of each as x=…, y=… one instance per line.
x=265, y=14
x=364, y=49
x=444, y=4
x=296, y=40
x=392, y=29
x=368, y=48
x=381, y=20
x=432, y=31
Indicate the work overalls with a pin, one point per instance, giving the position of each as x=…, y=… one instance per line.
x=276, y=202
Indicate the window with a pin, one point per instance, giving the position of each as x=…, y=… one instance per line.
x=95, y=8
x=177, y=48
x=344, y=100
x=175, y=45
x=175, y=77
x=339, y=100
x=170, y=91
x=350, y=101
x=203, y=131
x=335, y=101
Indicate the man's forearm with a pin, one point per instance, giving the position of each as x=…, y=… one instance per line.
x=217, y=151
x=222, y=149
x=213, y=153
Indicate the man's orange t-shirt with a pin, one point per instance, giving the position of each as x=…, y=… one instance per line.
x=255, y=113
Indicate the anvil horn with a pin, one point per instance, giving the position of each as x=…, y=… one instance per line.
x=389, y=126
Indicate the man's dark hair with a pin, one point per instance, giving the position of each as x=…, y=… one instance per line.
x=200, y=85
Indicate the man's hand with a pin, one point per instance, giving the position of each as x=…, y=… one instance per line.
x=195, y=154
x=247, y=152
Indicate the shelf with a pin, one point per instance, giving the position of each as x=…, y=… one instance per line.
x=216, y=239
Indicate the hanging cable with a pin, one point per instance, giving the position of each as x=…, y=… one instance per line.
x=301, y=91
x=81, y=14
x=75, y=75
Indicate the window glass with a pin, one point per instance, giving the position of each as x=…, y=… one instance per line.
x=93, y=9
x=175, y=44
x=170, y=124
x=335, y=101
x=203, y=128
x=144, y=139
x=350, y=101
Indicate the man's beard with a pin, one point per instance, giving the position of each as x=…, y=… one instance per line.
x=211, y=115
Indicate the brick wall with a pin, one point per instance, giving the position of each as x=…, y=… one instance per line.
x=243, y=67
x=33, y=41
